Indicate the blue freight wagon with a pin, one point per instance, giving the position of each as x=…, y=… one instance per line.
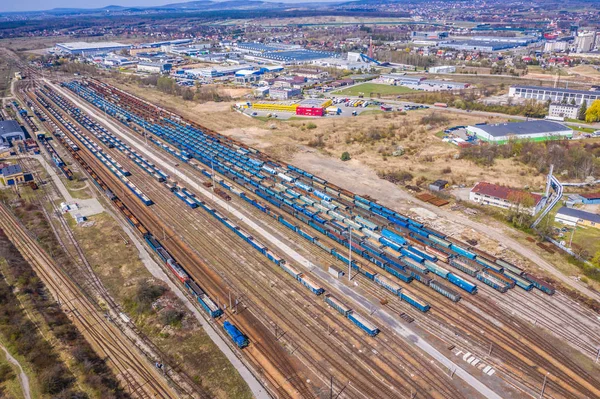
x=310, y=284
x=414, y=301
x=388, y=284
x=493, y=282
x=398, y=272
x=462, y=251
x=204, y=300
x=461, y=283
x=440, y=271
x=393, y=236
x=363, y=324
x=519, y=280
x=489, y=264
x=337, y=305
x=236, y=335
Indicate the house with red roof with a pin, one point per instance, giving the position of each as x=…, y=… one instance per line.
x=505, y=197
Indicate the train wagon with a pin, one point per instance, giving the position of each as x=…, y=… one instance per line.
x=510, y=267
x=388, y=284
x=363, y=323
x=414, y=301
x=310, y=284
x=539, y=284
x=489, y=264
x=464, y=267
x=337, y=305
x=207, y=304
x=445, y=291
x=236, y=335
x=177, y=270
x=462, y=284
x=492, y=281
x=437, y=269
x=519, y=280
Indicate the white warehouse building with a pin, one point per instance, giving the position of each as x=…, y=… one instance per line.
x=538, y=130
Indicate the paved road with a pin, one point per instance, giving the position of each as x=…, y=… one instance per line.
x=23, y=378
x=381, y=314
x=458, y=110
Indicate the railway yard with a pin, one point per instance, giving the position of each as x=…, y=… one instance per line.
x=262, y=247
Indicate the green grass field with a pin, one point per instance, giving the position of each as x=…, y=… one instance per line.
x=368, y=89
x=582, y=129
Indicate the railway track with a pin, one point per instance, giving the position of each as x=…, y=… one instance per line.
x=138, y=375
x=508, y=336
x=184, y=226
x=270, y=350
x=430, y=383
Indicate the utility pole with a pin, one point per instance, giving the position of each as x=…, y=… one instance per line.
x=491, y=347
x=544, y=386
x=572, y=233
x=331, y=388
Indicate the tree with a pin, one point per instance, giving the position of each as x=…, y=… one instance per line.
x=345, y=156
x=582, y=111
x=573, y=102
x=592, y=114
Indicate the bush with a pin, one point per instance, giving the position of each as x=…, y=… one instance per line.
x=171, y=317
x=6, y=373
x=396, y=177
x=311, y=125
x=345, y=156
x=146, y=294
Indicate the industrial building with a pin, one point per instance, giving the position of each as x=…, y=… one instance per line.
x=313, y=107
x=556, y=46
x=282, y=53
x=154, y=67
x=484, y=46
x=246, y=76
x=560, y=110
x=504, y=197
x=577, y=217
x=585, y=41
x=284, y=93
x=442, y=69
x=13, y=175
x=289, y=107
x=92, y=48
x=591, y=198
x=554, y=94
x=311, y=73
x=216, y=71
x=432, y=35
x=501, y=133
x=10, y=131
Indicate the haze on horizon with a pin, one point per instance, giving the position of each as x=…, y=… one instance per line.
x=41, y=5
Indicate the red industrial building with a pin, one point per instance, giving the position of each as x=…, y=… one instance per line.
x=313, y=107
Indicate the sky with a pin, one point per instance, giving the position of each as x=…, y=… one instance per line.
x=38, y=5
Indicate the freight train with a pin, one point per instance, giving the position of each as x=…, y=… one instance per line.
x=323, y=206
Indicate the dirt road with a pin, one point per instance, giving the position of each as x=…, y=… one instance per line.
x=23, y=379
